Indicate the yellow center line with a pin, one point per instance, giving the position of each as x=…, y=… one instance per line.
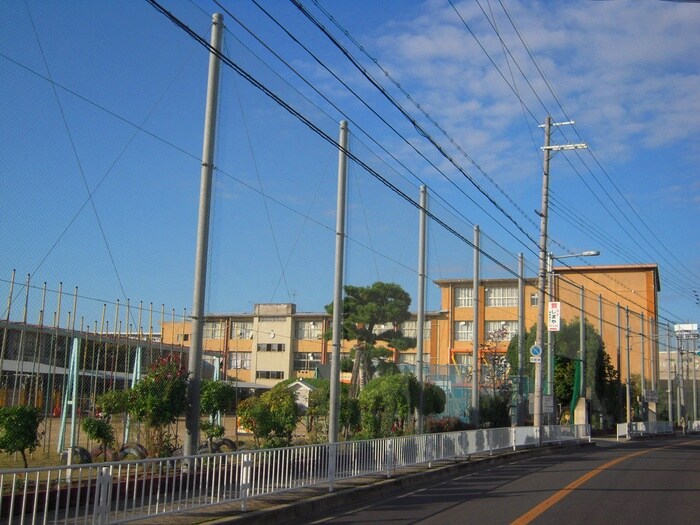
x=539, y=509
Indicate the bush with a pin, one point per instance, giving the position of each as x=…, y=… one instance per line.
x=19, y=430
x=101, y=431
x=271, y=417
x=436, y=425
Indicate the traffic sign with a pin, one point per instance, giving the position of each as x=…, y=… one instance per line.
x=535, y=350
x=535, y=359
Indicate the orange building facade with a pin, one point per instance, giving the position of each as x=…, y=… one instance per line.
x=275, y=342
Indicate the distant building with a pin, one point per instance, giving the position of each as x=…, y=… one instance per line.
x=275, y=342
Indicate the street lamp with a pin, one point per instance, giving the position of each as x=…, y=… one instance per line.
x=550, y=279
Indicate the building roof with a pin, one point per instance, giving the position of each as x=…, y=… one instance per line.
x=614, y=268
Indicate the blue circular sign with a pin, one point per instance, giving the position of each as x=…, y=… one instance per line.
x=535, y=351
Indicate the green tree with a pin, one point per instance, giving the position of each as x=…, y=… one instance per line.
x=434, y=399
x=386, y=404
x=364, y=308
x=99, y=430
x=602, y=381
x=272, y=417
x=19, y=430
x=159, y=399
x=215, y=397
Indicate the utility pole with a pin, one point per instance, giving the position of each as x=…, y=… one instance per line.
x=542, y=271
x=334, y=416
x=521, y=337
x=476, y=326
x=200, y=270
x=421, y=305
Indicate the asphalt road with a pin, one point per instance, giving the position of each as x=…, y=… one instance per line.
x=646, y=481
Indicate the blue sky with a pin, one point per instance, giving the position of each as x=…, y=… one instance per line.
x=102, y=115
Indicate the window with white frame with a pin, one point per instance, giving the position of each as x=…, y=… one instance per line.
x=464, y=297
x=269, y=374
x=381, y=328
x=464, y=330
x=272, y=319
x=214, y=329
x=306, y=360
x=501, y=296
x=239, y=361
x=534, y=299
x=242, y=330
x=462, y=358
x=501, y=330
x=270, y=347
x=407, y=359
x=308, y=330
x=410, y=329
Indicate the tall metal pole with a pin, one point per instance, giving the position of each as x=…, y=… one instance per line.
x=694, y=354
x=668, y=381
x=644, y=367
x=541, y=274
x=421, y=303
x=549, y=387
x=582, y=344
x=618, y=361
x=476, y=331
x=680, y=413
x=542, y=270
x=333, y=424
x=200, y=270
x=628, y=392
x=521, y=337
x=654, y=351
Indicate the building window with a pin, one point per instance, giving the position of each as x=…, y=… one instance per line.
x=502, y=296
x=461, y=358
x=183, y=338
x=214, y=329
x=410, y=329
x=272, y=319
x=269, y=374
x=270, y=347
x=533, y=299
x=308, y=330
x=501, y=330
x=464, y=297
x=306, y=360
x=242, y=330
x=379, y=329
x=407, y=359
x=239, y=361
x=464, y=330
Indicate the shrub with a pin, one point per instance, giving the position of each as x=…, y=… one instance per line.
x=19, y=430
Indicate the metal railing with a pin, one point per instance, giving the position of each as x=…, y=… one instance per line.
x=131, y=490
x=643, y=428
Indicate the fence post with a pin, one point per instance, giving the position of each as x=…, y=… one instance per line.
x=514, y=437
x=246, y=474
x=429, y=452
x=332, y=455
x=389, y=457
x=103, y=498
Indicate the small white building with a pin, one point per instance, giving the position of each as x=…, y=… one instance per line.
x=302, y=390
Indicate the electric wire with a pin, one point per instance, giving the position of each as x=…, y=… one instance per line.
x=313, y=127
x=419, y=129
x=359, y=98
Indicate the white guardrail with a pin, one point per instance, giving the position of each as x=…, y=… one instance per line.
x=130, y=490
x=643, y=428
